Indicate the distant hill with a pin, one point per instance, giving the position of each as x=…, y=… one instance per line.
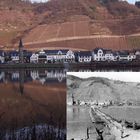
x=85, y=24
x=16, y=16
x=101, y=89
x=62, y=10
x=57, y=22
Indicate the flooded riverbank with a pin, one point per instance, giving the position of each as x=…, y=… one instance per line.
x=78, y=121
x=128, y=113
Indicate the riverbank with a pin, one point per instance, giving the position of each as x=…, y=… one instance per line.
x=30, y=66
x=78, y=121
x=115, y=128
x=107, y=64
x=71, y=66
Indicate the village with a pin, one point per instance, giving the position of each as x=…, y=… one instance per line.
x=67, y=56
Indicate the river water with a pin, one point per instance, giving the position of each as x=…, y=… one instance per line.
x=32, y=104
x=78, y=120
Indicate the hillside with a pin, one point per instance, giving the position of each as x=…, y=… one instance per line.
x=68, y=23
x=101, y=89
x=61, y=10
x=85, y=24
x=16, y=16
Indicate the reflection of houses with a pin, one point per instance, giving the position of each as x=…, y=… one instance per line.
x=60, y=55
x=2, y=76
x=42, y=76
x=15, y=76
x=84, y=56
x=57, y=75
x=34, y=74
x=47, y=77
x=39, y=75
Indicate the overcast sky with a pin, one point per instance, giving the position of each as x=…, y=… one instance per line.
x=122, y=76
x=131, y=1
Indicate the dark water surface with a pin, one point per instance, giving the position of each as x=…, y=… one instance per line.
x=32, y=104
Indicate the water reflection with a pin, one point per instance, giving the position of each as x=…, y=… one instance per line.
x=21, y=81
x=42, y=75
x=32, y=102
x=78, y=120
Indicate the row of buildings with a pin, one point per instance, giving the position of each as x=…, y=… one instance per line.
x=58, y=56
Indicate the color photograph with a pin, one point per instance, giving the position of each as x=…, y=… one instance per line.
x=42, y=40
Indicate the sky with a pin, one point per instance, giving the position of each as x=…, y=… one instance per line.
x=122, y=76
x=131, y=1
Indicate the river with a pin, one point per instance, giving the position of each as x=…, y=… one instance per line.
x=32, y=104
x=78, y=120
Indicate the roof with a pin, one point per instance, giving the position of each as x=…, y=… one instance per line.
x=108, y=51
x=56, y=51
x=84, y=53
x=13, y=53
x=115, y=53
x=123, y=53
x=27, y=53
x=96, y=50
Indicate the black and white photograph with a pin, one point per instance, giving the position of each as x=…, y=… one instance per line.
x=103, y=106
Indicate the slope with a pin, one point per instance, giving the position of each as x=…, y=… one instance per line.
x=102, y=89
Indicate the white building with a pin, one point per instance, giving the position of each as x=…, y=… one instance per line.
x=34, y=58
x=60, y=55
x=70, y=56
x=100, y=54
x=2, y=57
x=42, y=57
x=84, y=56
x=14, y=55
x=126, y=56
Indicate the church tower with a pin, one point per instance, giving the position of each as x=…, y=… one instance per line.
x=21, y=55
